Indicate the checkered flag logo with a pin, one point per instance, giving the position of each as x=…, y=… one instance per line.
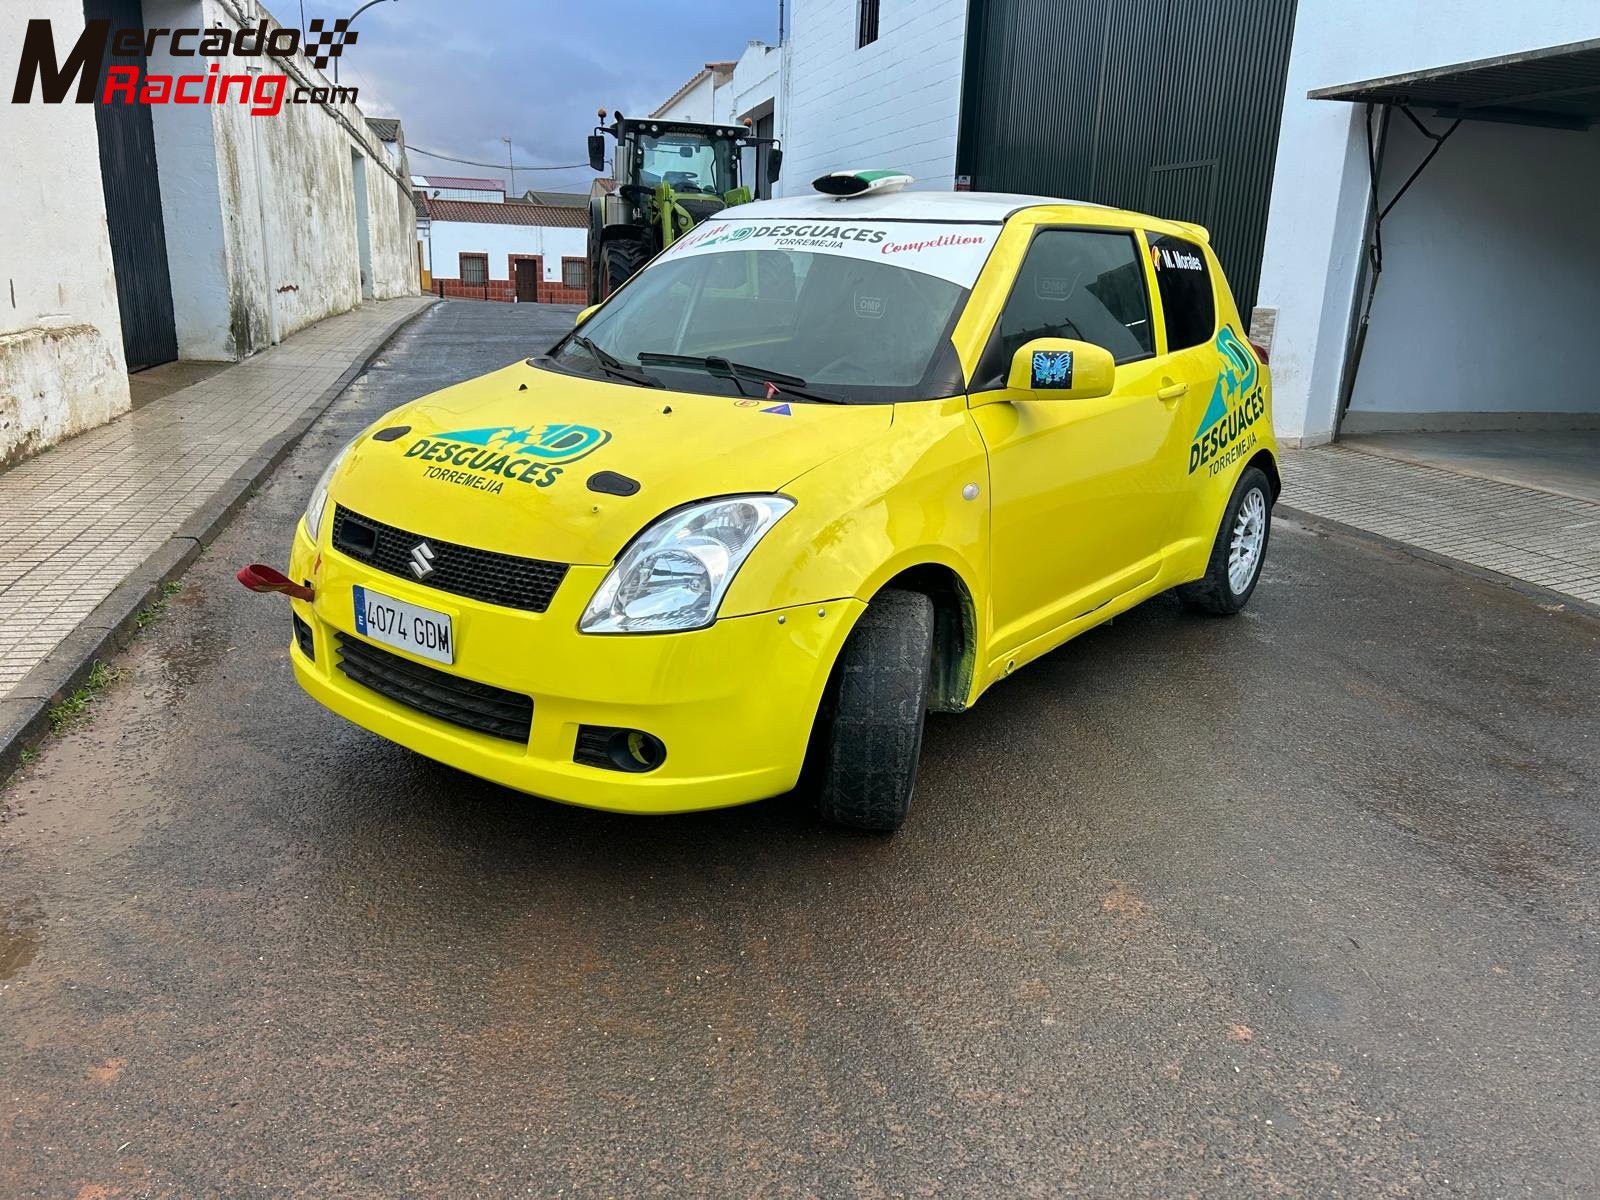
x=323, y=45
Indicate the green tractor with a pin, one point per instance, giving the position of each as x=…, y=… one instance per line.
x=670, y=176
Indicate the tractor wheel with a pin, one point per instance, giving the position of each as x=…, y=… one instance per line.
x=618, y=261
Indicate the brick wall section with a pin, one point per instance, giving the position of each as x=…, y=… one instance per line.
x=504, y=289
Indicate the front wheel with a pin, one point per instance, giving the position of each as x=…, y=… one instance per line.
x=869, y=732
x=1239, y=551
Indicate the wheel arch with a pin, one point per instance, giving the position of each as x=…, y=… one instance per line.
x=955, y=631
x=1269, y=467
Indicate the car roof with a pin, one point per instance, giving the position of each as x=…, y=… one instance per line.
x=924, y=206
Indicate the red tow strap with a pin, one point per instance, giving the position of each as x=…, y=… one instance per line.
x=259, y=577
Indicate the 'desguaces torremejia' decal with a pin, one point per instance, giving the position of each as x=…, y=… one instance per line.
x=484, y=459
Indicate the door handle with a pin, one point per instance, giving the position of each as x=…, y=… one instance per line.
x=1173, y=391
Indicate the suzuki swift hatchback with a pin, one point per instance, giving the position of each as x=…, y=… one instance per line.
x=824, y=465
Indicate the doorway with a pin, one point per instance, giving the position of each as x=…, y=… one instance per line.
x=358, y=178
x=528, y=270
x=133, y=207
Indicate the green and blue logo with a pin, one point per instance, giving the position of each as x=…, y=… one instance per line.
x=483, y=459
x=1237, y=401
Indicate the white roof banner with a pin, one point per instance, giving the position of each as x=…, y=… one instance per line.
x=948, y=250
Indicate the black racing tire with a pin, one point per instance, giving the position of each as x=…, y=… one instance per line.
x=618, y=262
x=1215, y=592
x=868, y=735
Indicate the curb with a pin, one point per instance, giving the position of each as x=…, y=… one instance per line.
x=1327, y=527
x=25, y=713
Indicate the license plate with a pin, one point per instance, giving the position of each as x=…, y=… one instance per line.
x=409, y=627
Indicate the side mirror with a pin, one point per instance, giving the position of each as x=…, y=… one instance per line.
x=583, y=315
x=597, y=152
x=774, y=164
x=1062, y=369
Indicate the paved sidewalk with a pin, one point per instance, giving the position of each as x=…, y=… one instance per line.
x=78, y=519
x=1540, y=537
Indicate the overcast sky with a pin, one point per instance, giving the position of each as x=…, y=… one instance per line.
x=462, y=74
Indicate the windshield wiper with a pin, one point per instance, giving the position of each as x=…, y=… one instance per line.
x=614, y=366
x=776, y=382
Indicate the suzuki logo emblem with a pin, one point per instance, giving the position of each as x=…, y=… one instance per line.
x=422, y=557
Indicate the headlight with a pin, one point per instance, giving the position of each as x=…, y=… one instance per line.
x=319, y=494
x=675, y=575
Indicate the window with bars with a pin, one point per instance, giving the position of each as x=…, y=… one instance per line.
x=866, y=23
x=475, y=268
x=574, y=273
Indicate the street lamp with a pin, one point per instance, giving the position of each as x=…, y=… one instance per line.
x=349, y=22
x=510, y=166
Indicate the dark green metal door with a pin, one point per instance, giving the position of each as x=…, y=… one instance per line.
x=1166, y=106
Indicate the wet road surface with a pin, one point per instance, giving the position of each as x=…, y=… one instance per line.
x=1299, y=903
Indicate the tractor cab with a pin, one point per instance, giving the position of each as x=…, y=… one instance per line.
x=669, y=177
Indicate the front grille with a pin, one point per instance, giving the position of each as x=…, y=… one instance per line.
x=503, y=579
x=450, y=698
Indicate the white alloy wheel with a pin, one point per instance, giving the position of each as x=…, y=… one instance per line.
x=1244, y=549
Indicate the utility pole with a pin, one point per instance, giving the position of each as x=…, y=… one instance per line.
x=510, y=166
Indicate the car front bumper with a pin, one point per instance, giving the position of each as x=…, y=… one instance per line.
x=734, y=703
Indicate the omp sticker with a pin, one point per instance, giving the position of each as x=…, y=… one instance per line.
x=869, y=307
x=953, y=252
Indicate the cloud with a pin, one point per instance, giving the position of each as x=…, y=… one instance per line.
x=462, y=75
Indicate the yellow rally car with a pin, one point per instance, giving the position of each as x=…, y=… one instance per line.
x=825, y=464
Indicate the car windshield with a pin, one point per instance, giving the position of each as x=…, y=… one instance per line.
x=857, y=312
x=685, y=161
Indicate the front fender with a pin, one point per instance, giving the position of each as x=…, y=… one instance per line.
x=897, y=501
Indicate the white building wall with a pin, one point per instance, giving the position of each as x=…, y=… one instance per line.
x=61, y=364
x=895, y=103
x=697, y=104
x=1315, y=229
x=753, y=89
x=448, y=240
x=260, y=210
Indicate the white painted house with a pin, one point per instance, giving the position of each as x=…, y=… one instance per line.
x=512, y=251
x=1489, y=266
x=735, y=93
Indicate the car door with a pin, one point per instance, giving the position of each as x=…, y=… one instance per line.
x=1211, y=365
x=1080, y=500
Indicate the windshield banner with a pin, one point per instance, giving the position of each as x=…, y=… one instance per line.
x=953, y=252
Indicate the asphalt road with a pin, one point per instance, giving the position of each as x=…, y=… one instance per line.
x=1299, y=903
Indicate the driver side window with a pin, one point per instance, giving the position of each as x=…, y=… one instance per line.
x=1084, y=284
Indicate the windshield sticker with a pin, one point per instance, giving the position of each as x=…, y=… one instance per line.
x=1237, y=402
x=869, y=307
x=484, y=459
x=956, y=253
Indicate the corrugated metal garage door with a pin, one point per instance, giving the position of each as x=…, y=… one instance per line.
x=1167, y=106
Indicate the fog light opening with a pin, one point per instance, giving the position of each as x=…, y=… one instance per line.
x=630, y=750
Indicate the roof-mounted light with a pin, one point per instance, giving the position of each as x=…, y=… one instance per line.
x=844, y=184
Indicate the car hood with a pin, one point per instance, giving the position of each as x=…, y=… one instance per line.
x=538, y=463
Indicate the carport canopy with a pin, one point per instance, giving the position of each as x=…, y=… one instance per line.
x=1558, y=86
